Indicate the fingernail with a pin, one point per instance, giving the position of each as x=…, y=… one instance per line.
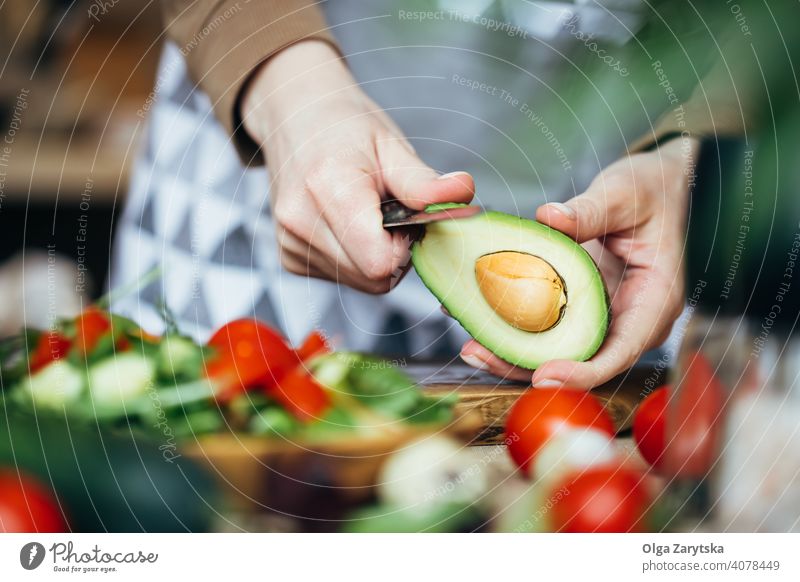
x=452, y=175
x=564, y=209
x=547, y=383
x=474, y=362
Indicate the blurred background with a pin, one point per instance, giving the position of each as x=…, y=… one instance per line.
x=75, y=79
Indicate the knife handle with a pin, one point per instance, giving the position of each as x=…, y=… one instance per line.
x=395, y=211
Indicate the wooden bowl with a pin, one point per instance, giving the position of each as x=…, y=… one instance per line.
x=309, y=480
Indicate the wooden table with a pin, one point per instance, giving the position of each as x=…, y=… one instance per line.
x=266, y=480
x=492, y=397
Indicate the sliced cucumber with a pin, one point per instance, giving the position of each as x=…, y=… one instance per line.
x=332, y=370
x=121, y=378
x=179, y=359
x=55, y=385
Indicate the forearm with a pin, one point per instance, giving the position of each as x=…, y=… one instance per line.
x=282, y=87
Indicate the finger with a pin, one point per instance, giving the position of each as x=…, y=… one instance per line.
x=611, y=266
x=479, y=357
x=638, y=328
x=320, y=250
x=401, y=252
x=330, y=265
x=298, y=258
x=414, y=183
x=609, y=205
x=298, y=265
x=302, y=229
x=348, y=200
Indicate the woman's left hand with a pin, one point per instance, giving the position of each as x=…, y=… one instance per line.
x=634, y=212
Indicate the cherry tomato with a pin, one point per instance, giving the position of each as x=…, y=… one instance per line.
x=539, y=413
x=693, y=420
x=90, y=326
x=123, y=344
x=314, y=345
x=50, y=347
x=649, y=426
x=604, y=499
x=248, y=352
x=300, y=394
x=27, y=506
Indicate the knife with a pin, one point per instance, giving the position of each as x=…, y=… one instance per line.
x=397, y=214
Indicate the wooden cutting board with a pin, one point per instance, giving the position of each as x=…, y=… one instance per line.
x=492, y=397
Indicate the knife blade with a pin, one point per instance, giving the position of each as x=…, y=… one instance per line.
x=397, y=214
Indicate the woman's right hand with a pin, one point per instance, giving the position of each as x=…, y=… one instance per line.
x=333, y=155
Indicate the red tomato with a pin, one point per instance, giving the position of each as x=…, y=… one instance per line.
x=649, y=426
x=90, y=326
x=26, y=506
x=123, y=344
x=248, y=353
x=541, y=412
x=300, y=394
x=693, y=420
x=51, y=346
x=314, y=345
x=605, y=499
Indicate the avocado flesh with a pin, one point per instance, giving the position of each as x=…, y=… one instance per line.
x=445, y=261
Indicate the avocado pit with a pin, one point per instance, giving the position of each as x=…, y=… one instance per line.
x=523, y=289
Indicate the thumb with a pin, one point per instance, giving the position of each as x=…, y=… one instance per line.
x=603, y=209
x=416, y=184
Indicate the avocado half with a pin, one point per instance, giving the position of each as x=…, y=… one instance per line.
x=576, y=299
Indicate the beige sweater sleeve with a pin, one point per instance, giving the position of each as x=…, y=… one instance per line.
x=224, y=41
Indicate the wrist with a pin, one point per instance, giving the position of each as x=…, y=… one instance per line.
x=681, y=147
x=288, y=81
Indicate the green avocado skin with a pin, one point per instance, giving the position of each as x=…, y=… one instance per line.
x=485, y=326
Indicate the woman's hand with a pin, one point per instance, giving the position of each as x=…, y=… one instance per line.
x=634, y=212
x=333, y=155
